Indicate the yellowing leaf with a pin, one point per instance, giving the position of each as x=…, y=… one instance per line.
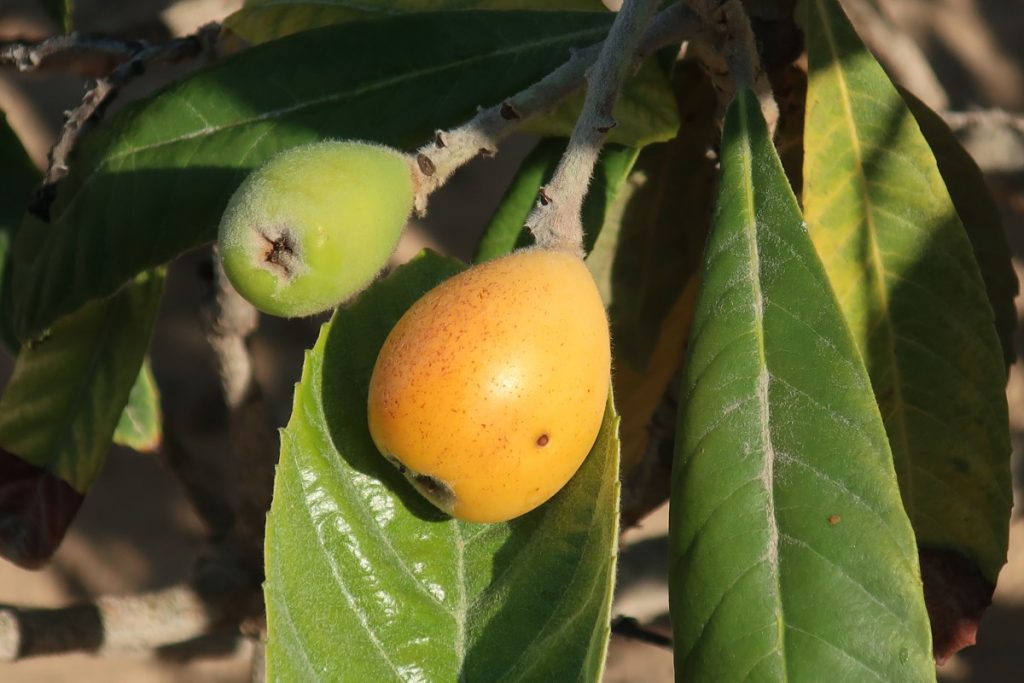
x=903, y=269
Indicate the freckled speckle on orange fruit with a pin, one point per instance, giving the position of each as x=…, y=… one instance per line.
x=490, y=390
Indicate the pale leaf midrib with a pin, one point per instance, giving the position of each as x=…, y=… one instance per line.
x=332, y=567
x=764, y=414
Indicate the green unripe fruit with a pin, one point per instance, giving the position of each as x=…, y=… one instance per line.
x=314, y=225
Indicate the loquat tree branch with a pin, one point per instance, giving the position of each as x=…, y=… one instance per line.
x=137, y=56
x=999, y=118
x=728, y=53
x=450, y=150
x=556, y=222
x=229, y=320
x=130, y=623
x=67, y=50
x=902, y=57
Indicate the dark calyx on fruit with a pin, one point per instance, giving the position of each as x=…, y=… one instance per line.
x=280, y=251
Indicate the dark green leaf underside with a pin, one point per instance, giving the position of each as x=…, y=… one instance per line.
x=154, y=180
x=20, y=176
x=355, y=556
x=68, y=390
x=263, y=20
x=791, y=553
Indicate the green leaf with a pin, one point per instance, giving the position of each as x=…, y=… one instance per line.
x=59, y=412
x=644, y=113
x=981, y=218
x=507, y=230
x=140, y=426
x=903, y=269
x=152, y=182
x=366, y=580
x=20, y=178
x=262, y=20
x=654, y=233
x=791, y=554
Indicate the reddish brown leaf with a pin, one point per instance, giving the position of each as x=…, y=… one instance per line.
x=36, y=508
x=957, y=596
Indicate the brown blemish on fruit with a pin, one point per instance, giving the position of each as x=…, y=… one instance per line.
x=432, y=488
x=435, y=490
x=396, y=462
x=834, y=519
x=280, y=252
x=542, y=440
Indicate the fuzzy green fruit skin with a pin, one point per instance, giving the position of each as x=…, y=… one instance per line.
x=339, y=207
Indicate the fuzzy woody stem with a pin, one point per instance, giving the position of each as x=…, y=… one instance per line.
x=436, y=161
x=728, y=52
x=556, y=222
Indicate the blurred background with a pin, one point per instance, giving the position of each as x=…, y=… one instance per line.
x=136, y=531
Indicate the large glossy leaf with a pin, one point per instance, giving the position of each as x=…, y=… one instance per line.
x=901, y=264
x=140, y=426
x=59, y=412
x=367, y=581
x=262, y=20
x=153, y=181
x=981, y=218
x=644, y=113
x=792, y=557
x=507, y=230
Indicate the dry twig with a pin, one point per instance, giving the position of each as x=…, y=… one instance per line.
x=66, y=49
x=1000, y=118
x=140, y=57
x=131, y=623
x=900, y=54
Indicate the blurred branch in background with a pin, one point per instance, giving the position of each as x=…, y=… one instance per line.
x=898, y=52
x=112, y=625
x=906, y=62
x=135, y=57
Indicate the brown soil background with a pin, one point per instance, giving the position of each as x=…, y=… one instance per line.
x=136, y=531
